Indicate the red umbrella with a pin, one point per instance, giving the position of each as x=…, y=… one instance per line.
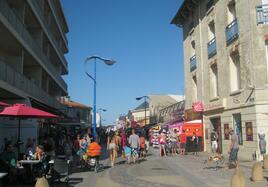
x=21, y=111
x=3, y=104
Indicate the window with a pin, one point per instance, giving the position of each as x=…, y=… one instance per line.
x=211, y=30
x=231, y=12
x=195, y=88
x=238, y=127
x=235, y=74
x=212, y=50
x=214, y=81
x=192, y=48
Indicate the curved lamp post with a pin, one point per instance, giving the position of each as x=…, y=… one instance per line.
x=107, y=62
x=145, y=97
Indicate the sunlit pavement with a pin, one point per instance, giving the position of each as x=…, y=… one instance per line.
x=155, y=171
x=183, y=171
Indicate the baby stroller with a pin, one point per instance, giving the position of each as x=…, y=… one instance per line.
x=93, y=156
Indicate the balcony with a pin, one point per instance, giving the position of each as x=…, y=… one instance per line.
x=20, y=82
x=212, y=49
x=29, y=43
x=231, y=32
x=262, y=14
x=193, y=63
x=210, y=3
x=59, y=23
x=38, y=10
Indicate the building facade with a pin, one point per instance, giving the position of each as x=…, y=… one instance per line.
x=226, y=68
x=159, y=102
x=32, y=62
x=140, y=115
x=32, y=48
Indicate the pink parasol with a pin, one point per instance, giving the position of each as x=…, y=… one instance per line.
x=21, y=111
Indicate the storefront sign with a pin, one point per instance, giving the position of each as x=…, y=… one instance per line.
x=191, y=115
x=226, y=131
x=249, y=131
x=198, y=106
x=214, y=106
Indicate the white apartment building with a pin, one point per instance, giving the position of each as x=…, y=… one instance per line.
x=226, y=67
x=32, y=62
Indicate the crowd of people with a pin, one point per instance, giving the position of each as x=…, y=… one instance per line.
x=173, y=143
x=130, y=146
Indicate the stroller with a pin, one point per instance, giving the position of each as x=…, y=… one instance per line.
x=92, y=157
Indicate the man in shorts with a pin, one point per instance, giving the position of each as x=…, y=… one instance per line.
x=134, y=142
x=234, y=147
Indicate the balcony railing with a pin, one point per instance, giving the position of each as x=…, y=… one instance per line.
x=262, y=14
x=193, y=63
x=212, y=49
x=59, y=23
x=19, y=27
x=20, y=82
x=38, y=9
x=231, y=32
x=210, y=3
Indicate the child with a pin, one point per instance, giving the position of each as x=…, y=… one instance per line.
x=128, y=153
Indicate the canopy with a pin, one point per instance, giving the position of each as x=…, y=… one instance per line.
x=3, y=104
x=23, y=111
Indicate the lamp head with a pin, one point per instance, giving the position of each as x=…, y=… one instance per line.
x=109, y=62
x=138, y=98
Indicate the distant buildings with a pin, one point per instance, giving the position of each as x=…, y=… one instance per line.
x=153, y=107
x=226, y=68
x=137, y=116
x=77, y=114
x=159, y=102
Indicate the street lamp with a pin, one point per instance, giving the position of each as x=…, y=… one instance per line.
x=107, y=62
x=145, y=97
x=99, y=111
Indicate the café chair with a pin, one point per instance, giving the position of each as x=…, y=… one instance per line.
x=60, y=170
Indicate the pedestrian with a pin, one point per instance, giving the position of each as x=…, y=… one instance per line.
x=173, y=140
x=214, y=141
x=111, y=147
x=234, y=147
x=118, y=143
x=68, y=148
x=183, y=142
x=262, y=143
x=162, y=143
x=123, y=142
x=195, y=143
x=127, y=151
x=134, y=141
x=29, y=147
x=76, y=147
x=142, y=146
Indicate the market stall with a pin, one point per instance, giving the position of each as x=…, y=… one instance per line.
x=190, y=127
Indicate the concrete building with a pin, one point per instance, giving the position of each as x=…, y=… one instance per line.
x=226, y=67
x=138, y=114
x=32, y=48
x=158, y=102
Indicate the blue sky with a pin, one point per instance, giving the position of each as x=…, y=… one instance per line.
x=135, y=33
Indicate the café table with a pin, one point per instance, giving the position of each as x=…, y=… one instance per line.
x=2, y=175
x=31, y=163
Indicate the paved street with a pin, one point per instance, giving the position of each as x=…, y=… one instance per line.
x=155, y=171
x=186, y=171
